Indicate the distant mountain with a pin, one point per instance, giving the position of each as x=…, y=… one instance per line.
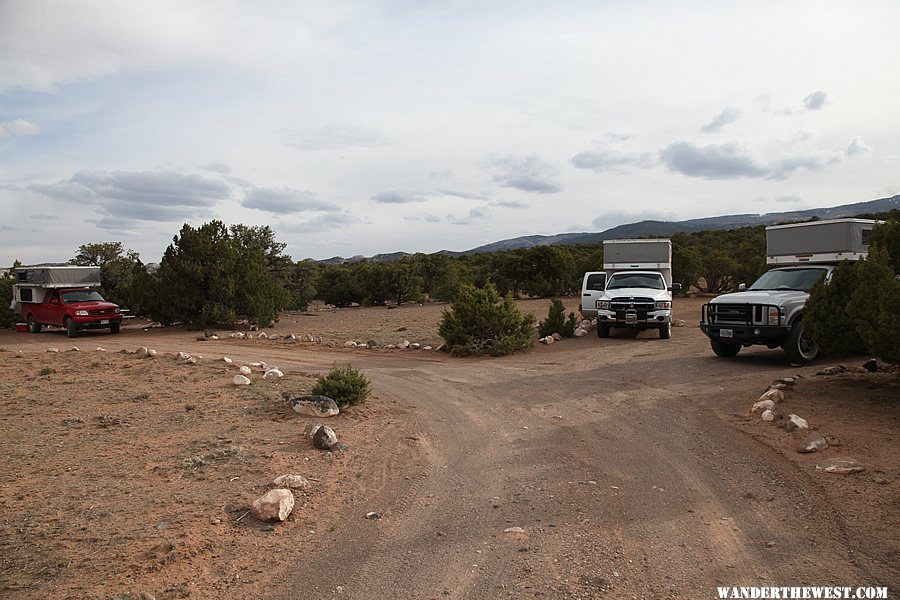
x=658, y=228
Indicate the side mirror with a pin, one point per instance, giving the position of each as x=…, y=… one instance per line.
x=742, y=287
x=676, y=287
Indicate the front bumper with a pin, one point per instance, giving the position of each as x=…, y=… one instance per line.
x=769, y=335
x=92, y=322
x=653, y=318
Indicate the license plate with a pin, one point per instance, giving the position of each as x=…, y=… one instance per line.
x=104, y=322
x=630, y=317
x=726, y=333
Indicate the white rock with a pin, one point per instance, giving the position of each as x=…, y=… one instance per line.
x=678, y=323
x=273, y=374
x=198, y=356
x=52, y=349
x=415, y=346
x=100, y=349
x=292, y=336
x=191, y=361
x=142, y=350
x=775, y=396
x=74, y=349
x=585, y=324
x=257, y=365
x=213, y=337
x=841, y=466
x=579, y=332
x=290, y=481
x=795, y=422
x=183, y=356
x=241, y=380
x=274, y=504
x=152, y=352
x=768, y=415
x=403, y=345
x=312, y=406
x=227, y=360
x=426, y=347
x=263, y=336
x=513, y=530
x=244, y=370
x=762, y=405
x=557, y=337
x=349, y=344
x=325, y=438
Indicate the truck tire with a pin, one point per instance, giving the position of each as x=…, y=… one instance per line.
x=114, y=327
x=665, y=332
x=33, y=326
x=799, y=346
x=602, y=330
x=724, y=349
x=71, y=328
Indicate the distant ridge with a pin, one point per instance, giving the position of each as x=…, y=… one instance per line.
x=657, y=228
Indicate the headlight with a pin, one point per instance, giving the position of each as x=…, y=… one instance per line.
x=81, y=313
x=774, y=314
x=664, y=305
x=603, y=304
x=118, y=310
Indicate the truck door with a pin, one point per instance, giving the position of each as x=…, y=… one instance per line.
x=54, y=309
x=592, y=288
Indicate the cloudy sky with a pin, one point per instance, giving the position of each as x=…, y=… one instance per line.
x=378, y=126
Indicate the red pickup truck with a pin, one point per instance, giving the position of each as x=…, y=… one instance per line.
x=75, y=309
x=63, y=297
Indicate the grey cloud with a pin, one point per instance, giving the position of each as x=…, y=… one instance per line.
x=612, y=160
x=857, y=147
x=335, y=137
x=281, y=201
x=116, y=225
x=144, y=195
x=815, y=100
x=510, y=204
x=9, y=228
x=725, y=161
x=44, y=217
x=788, y=199
x=325, y=222
x=475, y=214
x=217, y=167
x=425, y=218
x=465, y=195
x=729, y=115
x=526, y=173
x=782, y=168
x=399, y=196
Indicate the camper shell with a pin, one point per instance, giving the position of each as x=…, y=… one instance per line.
x=770, y=311
x=63, y=297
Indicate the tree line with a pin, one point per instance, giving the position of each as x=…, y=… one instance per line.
x=218, y=275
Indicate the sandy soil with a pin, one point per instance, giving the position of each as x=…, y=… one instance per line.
x=631, y=465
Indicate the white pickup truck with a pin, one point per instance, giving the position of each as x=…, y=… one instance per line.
x=634, y=290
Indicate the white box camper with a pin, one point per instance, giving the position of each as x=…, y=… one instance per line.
x=818, y=241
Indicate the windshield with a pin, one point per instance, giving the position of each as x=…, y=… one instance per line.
x=635, y=280
x=791, y=279
x=81, y=296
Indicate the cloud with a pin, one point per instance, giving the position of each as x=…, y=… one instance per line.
x=858, y=147
x=724, y=161
x=399, y=196
x=788, y=199
x=614, y=218
x=18, y=128
x=464, y=195
x=44, y=217
x=612, y=160
x=217, y=167
x=816, y=100
x=475, y=214
x=425, y=218
x=326, y=222
x=526, y=173
x=729, y=115
x=510, y=203
x=335, y=137
x=163, y=196
x=281, y=201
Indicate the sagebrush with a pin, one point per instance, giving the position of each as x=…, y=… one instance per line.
x=556, y=321
x=480, y=321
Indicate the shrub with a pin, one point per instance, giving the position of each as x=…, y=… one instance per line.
x=827, y=317
x=345, y=385
x=556, y=321
x=875, y=306
x=481, y=322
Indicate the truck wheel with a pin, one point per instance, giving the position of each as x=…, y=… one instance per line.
x=71, y=329
x=114, y=327
x=724, y=349
x=33, y=326
x=799, y=346
x=665, y=332
x=602, y=330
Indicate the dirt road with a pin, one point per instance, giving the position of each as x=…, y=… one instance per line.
x=628, y=463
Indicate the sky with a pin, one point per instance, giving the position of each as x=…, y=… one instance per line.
x=357, y=128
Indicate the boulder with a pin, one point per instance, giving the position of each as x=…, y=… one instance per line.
x=426, y=347
x=227, y=360
x=311, y=406
x=871, y=365
x=768, y=416
x=579, y=332
x=775, y=396
x=241, y=380
x=557, y=337
x=291, y=336
x=325, y=438
x=841, y=466
x=273, y=505
x=371, y=344
x=403, y=345
x=415, y=346
x=191, y=360
x=678, y=323
x=183, y=356
x=52, y=349
x=152, y=352
x=813, y=443
x=794, y=423
x=834, y=370
x=350, y=344
x=273, y=374
x=761, y=406
x=585, y=324
x=244, y=370
x=293, y=482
